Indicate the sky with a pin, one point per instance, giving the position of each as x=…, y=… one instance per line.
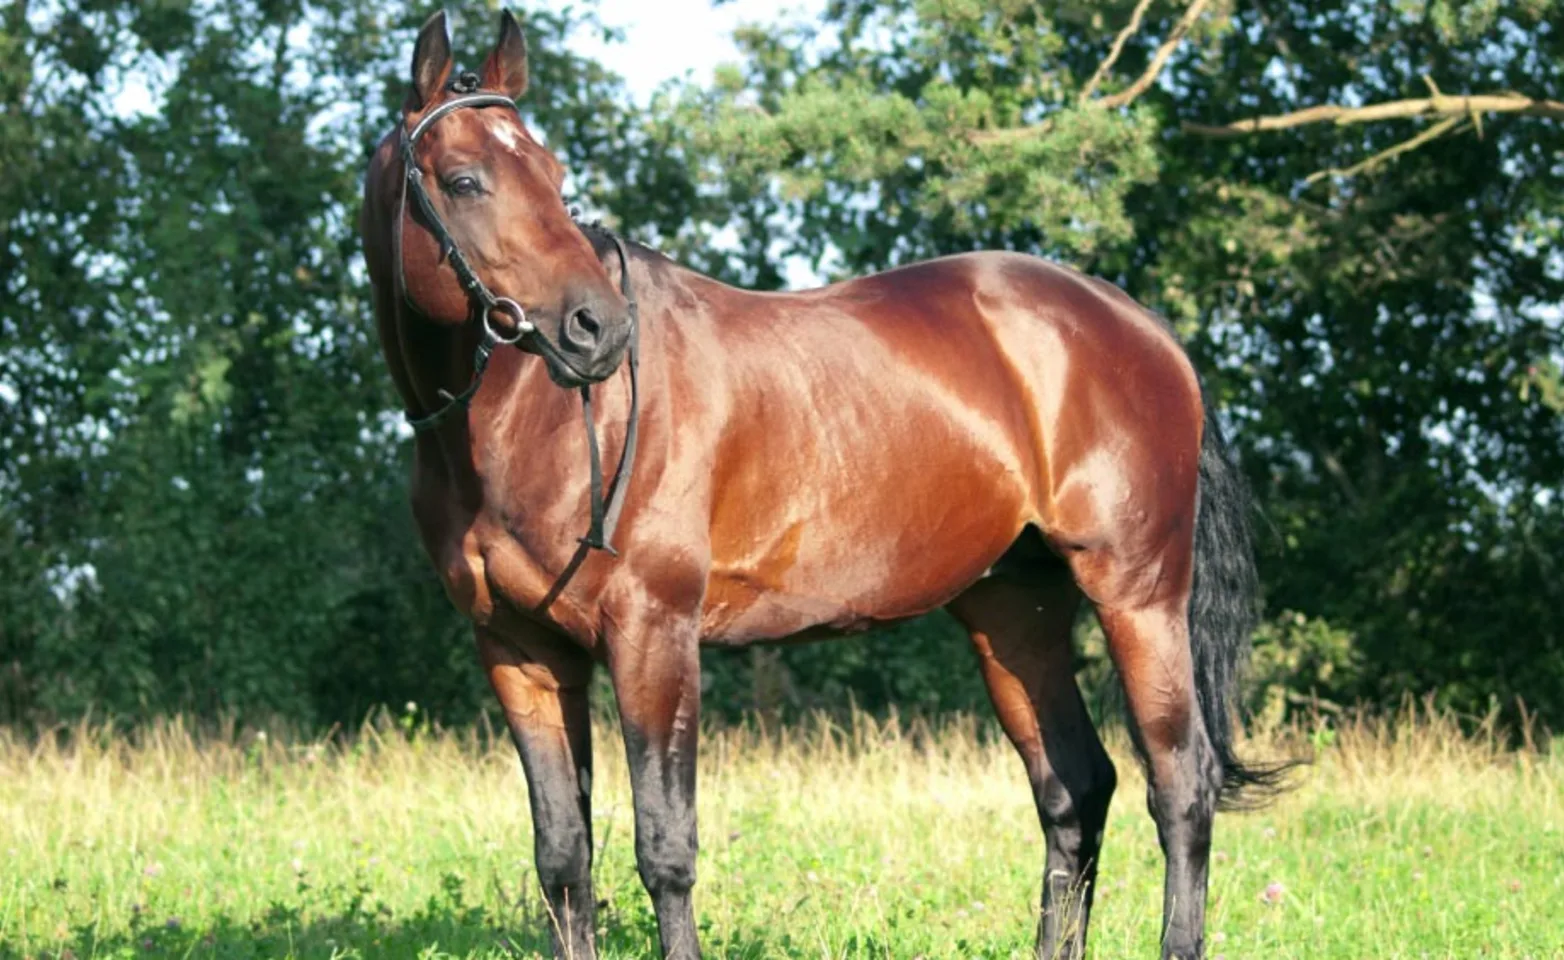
x=669, y=38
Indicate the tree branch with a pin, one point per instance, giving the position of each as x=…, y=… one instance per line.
x=1113, y=55
x=1158, y=60
x=1338, y=473
x=1435, y=106
x=983, y=138
x=1123, y=97
x=1432, y=133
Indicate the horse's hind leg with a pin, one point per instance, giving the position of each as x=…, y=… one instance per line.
x=1020, y=627
x=1150, y=646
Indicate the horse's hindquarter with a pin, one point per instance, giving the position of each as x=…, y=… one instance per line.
x=887, y=439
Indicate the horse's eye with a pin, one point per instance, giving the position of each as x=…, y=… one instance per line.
x=464, y=186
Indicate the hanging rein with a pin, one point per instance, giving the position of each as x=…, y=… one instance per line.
x=485, y=304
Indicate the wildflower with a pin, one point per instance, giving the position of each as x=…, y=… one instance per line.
x=298, y=865
x=172, y=923
x=153, y=869
x=1273, y=892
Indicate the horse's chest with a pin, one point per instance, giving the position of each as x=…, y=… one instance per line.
x=462, y=543
x=458, y=557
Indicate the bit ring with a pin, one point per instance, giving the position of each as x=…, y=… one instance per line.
x=523, y=326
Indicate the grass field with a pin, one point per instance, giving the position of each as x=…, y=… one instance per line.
x=1403, y=840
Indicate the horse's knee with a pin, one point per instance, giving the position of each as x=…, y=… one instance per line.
x=666, y=863
x=564, y=859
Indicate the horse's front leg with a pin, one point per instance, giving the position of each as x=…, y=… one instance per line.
x=542, y=683
x=656, y=673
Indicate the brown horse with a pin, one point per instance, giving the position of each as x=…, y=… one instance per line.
x=990, y=433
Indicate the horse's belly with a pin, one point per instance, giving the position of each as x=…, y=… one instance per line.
x=850, y=579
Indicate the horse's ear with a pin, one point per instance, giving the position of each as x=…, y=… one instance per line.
x=431, y=61
x=506, y=68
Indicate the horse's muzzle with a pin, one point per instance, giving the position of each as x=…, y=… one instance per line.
x=592, y=342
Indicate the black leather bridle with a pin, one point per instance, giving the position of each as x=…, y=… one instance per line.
x=485, y=304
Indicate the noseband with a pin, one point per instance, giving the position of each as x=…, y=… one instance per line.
x=484, y=304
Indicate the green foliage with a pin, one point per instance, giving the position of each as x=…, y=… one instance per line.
x=887, y=138
x=922, y=667
x=1297, y=662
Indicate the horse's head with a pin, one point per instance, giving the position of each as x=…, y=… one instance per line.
x=495, y=191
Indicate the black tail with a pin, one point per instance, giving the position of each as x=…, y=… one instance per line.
x=1223, y=612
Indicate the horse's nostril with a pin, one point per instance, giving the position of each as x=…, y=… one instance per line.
x=583, y=329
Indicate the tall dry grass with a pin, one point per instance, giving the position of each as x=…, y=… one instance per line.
x=850, y=837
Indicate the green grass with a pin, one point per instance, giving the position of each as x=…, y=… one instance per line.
x=1404, y=840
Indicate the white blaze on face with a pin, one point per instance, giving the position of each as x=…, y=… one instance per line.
x=507, y=134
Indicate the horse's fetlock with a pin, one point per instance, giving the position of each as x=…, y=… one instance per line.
x=668, y=877
x=668, y=867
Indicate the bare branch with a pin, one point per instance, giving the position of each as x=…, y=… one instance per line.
x=1432, y=133
x=983, y=138
x=1123, y=97
x=1113, y=55
x=1437, y=106
x=1158, y=60
x=1338, y=473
